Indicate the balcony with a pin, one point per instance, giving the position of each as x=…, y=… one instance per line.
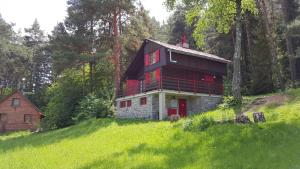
x=176, y=84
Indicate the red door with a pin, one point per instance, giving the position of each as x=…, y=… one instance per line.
x=182, y=107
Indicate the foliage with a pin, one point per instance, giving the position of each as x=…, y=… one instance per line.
x=209, y=14
x=93, y=107
x=64, y=95
x=229, y=102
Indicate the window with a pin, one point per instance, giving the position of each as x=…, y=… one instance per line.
x=3, y=117
x=28, y=118
x=15, y=102
x=128, y=103
x=143, y=101
x=122, y=104
x=152, y=58
x=152, y=76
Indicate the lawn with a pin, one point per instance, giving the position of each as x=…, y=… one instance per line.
x=109, y=143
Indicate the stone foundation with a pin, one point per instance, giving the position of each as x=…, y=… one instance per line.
x=196, y=103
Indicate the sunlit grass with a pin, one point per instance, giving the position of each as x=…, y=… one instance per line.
x=109, y=143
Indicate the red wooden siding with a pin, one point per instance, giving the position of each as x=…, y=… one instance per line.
x=157, y=56
x=132, y=87
x=146, y=59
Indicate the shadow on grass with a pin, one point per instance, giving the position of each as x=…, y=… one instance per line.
x=51, y=137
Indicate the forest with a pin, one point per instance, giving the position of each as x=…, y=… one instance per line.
x=73, y=73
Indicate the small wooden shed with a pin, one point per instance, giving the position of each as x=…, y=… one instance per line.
x=18, y=113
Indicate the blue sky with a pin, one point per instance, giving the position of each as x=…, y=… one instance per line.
x=50, y=12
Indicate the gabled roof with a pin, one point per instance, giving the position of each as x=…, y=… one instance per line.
x=20, y=93
x=186, y=51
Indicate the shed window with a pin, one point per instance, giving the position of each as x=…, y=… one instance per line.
x=143, y=101
x=3, y=117
x=28, y=118
x=128, y=103
x=122, y=104
x=15, y=102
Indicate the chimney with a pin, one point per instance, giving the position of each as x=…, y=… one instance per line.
x=183, y=43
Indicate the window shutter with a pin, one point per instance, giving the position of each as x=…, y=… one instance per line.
x=157, y=74
x=157, y=58
x=146, y=60
x=147, y=77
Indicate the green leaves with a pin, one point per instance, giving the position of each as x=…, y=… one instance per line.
x=218, y=15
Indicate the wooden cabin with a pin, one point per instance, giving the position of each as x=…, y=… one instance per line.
x=18, y=113
x=165, y=79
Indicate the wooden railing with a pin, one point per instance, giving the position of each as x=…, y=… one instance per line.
x=177, y=84
x=194, y=86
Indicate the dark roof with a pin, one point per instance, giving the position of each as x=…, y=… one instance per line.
x=181, y=50
x=17, y=91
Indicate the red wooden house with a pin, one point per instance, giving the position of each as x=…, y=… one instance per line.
x=165, y=79
x=18, y=113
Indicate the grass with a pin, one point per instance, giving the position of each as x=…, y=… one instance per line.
x=109, y=143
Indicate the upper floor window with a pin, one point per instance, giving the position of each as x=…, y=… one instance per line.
x=152, y=58
x=16, y=102
x=28, y=118
x=3, y=117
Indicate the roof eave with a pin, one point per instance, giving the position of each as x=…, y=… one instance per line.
x=204, y=57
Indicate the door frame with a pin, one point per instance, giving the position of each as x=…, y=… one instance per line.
x=182, y=114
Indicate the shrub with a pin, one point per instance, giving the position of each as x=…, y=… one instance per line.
x=229, y=102
x=206, y=123
x=93, y=107
x=187, y=125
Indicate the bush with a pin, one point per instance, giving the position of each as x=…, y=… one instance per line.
x=206, y=123
x=200, y=124
x=93, y=107
x=229, y=102
x=188, y=125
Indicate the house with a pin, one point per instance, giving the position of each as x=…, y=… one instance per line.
x=165, y=79
x=18, y=113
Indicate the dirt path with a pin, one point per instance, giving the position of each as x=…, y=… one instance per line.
x=266, y=100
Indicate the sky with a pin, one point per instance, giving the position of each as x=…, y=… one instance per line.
x=49, y=12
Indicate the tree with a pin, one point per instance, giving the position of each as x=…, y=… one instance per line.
x=265, y=12
x=15, y=59
x=41, y=65
x=290, y=11
x=220, y=15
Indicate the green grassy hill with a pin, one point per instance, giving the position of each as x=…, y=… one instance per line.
x=130, y=144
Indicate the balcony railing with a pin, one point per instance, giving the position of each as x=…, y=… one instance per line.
x=177, y=84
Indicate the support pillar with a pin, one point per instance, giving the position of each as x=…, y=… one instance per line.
x=162, y=106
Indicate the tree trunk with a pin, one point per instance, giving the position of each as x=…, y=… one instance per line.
x=116, y=51
x=288, y=41
x=236, y=82
x=276, y=68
